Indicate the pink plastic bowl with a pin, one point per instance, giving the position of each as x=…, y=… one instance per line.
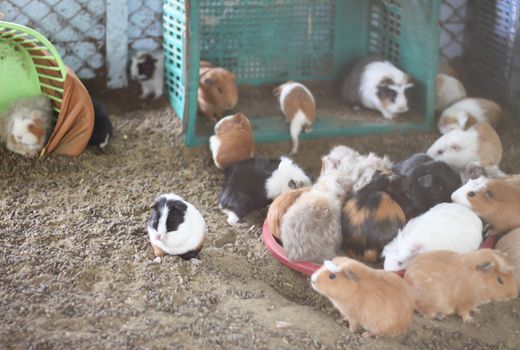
x=307, y=267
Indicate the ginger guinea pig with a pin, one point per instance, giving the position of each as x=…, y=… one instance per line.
x=448, y=90
x=218, y=92
x=375, y=83
x=510, y=245
x=298, y=106
x=279, y=207
x=380, y=301
x=495, y=201
x=446, y=283
x=233, y=141
x=467, y=112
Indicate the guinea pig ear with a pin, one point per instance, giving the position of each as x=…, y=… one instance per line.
x=425, y=180
x=351, y=275
x=490, y=194
x=277, y=91
x=470, y=121
x=293, y=185
x=486, y=266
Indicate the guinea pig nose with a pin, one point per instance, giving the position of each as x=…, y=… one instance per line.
x=158, y=236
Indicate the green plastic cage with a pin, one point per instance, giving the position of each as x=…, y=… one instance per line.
x=272, y=41
x=23, y=54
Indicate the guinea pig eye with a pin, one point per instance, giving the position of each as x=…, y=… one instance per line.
x=439, y=152
x=332, y=276
x=30, y=126
x=499, y=280
x=219, y=90
x=471, y=194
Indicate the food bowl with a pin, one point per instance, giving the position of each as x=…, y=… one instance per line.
x=307, y=267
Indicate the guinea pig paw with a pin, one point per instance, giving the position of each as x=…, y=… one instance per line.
x=353, y=327
x=367, y=334
x=466, y=317
x=157, y=260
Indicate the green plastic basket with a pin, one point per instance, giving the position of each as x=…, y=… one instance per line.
x=23, y=72
x=272, y=41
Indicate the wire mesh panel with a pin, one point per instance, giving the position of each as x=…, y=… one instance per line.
x=145, y=24
x=453, y=16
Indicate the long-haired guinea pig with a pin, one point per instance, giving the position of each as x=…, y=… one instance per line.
x=446, y=283
x=510, y=245
x=279, y=207
x=252, y=184
x=148, y=69
x=176, y=227
x=298, y=106
x=496, y=202
x=26, y=125
x=380, y=301
x=233, y=141
x=447, y=226
x=372, y=217
x=375, y=83
x=468, y=112
x=103, y=128
x=218, y=92
x=479, y=144
x=428, y=182
x=448, y=90
x=311, y=227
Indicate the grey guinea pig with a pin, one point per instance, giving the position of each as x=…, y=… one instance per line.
x=252, y=184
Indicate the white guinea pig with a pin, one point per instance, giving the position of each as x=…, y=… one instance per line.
x=467, y=112
x=448, y=90
x=176, y=227
x=447, y=226
x=377, y=84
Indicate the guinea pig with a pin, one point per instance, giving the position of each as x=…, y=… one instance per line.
x=428, y=182
x=447, y=69
x=445, y=282
x=217, y=92
x=375, y=83
x=298, y=105
x=148, y=69
x=103, y=128
x=510, y=245
x=380, y=301
x=176, y=227
x=496, y=202
x=252, y=184
x=479, y=144
x=372, y=217
x=279, y=207
x=468, y=112
x=26, y=125
x=448, y=90
x=447, y=226
x=513, y=180
x=311, y=227
x=233, y=141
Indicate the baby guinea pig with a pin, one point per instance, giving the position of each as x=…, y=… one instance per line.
x=448, y=90
x=298, y=106
x=447, y=226
x=495, y=201
x=446, y=283
x=375, y=83
x=467, y=112
x=279, y=207
x=176, y=227
x=252, y=184
x=148, y=69
x=233, y=141
x=479, y=144
x=510, y=245
x=218, y=92
x=380, y=301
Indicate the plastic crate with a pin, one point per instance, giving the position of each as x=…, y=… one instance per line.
x=272, y=41
x=494, y=50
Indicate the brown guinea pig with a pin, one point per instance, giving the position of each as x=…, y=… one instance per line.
x=495, y=201
x=446, y=282
x=279, y=207
x=380, y=301
x=218, y=91
x=233, y=141
x=510, y=245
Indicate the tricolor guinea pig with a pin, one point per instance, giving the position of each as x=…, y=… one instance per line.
x=176, y=227
x=233, y=141
x=379, y=301
x=148, y=69
x=447, y=226
x=375, y=83
x=252, y=184
x=448, y=90
x=446, y=283
x=218, y=92
x=510, y=245
x=496, y=202
x=298, y=106
x=468, y=112
x=279, y=207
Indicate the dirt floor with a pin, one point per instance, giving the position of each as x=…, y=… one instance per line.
x=76, y=266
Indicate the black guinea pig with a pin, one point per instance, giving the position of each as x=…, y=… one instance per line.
x=252, y=184
x=405, y=167
x=102, y=126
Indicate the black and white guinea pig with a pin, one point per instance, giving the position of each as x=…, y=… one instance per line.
x=375, y=83
x=176, y=227
x=148, y=69
x=252, y=184
x=102, y=126
x=427, y=182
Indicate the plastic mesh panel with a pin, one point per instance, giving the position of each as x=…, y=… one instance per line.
x=385, y=20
